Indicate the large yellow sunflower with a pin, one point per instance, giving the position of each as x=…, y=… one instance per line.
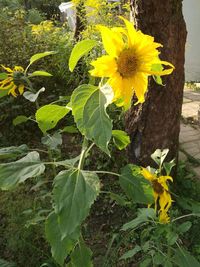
x=130, y=60
x=13, y=81
x=161, y=193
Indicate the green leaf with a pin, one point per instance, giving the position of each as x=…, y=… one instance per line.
x=144, y=215
x=159, y=155
x=40, y=73
x=89, y=111
x=171, y=237
x=32, y=97
x=3, y=76
x=52, y=141
x=131, y=253
x=184, y=259
x=157, y=78
x=184, y=227
x=4, y=263
x=13, y=173
x=147, y=262
x=78, y=100
x=68, y=162
x=136, y=187
x=38, y=56
x=13, y=151
x=70, y=129
x=3, y=92
x=98, y=125
x=81, y=256
x=48, y=116
x=189, y=204
x=119, y=199
x=74, y=193
x=168, y=166
x=79, y=50
x=121, y=139
x=60, y=247
x=20, y=119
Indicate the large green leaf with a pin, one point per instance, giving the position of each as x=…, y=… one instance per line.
x=144, y=215
x=74, y=192
x=81, y=256
x=60, y=247
x=136, y=187
x=121, y=139
x=79, y=50
x=17, y=172
x=78, y=100
x=98, y=125
x=184, y=259
x=48, y=116
x=13, y=151
x=38, y=56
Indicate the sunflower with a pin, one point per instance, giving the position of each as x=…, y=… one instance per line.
x=131, y=58
x=161, y=193
x=13, y=81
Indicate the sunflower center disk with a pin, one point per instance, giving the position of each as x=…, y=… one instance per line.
x=127, y=63
x=157, y=187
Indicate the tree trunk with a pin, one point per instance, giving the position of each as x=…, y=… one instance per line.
x=156, y=123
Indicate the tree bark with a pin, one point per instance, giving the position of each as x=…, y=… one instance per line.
x=156, y=123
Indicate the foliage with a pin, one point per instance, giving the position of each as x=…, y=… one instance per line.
x=69, y=186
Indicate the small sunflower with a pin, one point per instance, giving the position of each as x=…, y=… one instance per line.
x=161, y=193
x=13, y=82
x=129, y=63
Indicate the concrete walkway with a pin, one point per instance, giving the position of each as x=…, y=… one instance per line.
x=190, y=133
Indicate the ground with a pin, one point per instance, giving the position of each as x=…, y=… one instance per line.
x=190, y=130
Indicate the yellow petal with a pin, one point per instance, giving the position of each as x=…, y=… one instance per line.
x=165, y=201
x=148, y=175
x=7, y=69
x=162, y=72
x=140, y=84
x=21, y=89
x=127, y=92
x=116, y=83
x=18, y=68
x=163, y=217
x=112, y=41
x=104, y=66
x=12, y=91
x=131, y=32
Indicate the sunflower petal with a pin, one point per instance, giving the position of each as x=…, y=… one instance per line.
x=18, y=68
x=140, y=84
x=112, y=41
x=7, y=69
x=21, y=89
x=104, y=66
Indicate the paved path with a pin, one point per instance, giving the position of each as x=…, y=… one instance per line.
x=190, y=134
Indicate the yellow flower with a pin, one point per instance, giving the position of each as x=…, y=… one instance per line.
x=131, y=56
x=13, y=80
x=43, y=27
x=161, y=193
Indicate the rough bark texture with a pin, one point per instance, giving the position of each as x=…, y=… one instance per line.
x=156, y=123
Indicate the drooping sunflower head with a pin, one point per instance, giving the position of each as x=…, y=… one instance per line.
x=162, y=196
x=14, y=82
x=129, y=63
